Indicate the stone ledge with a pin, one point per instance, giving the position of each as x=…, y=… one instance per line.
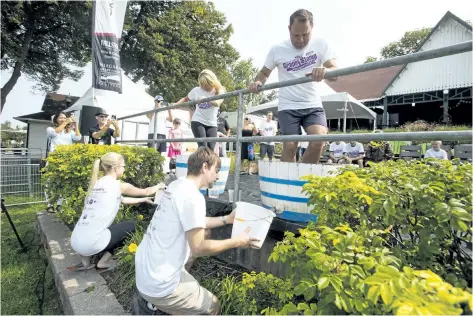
x=81, y=293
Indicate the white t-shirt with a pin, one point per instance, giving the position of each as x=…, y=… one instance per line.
x=162, y=120
x=62, y=138
x=91, y=235
x=204, y=113
x=269, y=129
x=431, y=153
x=294, y=63
x=337, y=149
x=164, y=250
x=354, y=151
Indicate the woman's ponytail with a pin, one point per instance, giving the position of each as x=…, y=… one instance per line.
x=94, y=176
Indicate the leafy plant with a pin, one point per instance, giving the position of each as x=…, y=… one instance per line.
x=69, y=168
x=339, y=271
x=426, y=207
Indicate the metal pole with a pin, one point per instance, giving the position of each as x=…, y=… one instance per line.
x=155, y=132
x=122, y=131
x=236, y=178
x=445, y=119
x=384, y=123
x=385, y=63
x=345, y=118
x=465, y=135
x=137, y=129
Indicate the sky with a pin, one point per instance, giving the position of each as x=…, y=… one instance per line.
x=355, y=29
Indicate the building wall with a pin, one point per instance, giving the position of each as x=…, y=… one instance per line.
x=440, y=73
x=37, y=136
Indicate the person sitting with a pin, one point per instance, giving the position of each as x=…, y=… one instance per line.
x=94, y=232
x=353, y=154
x=336, y=150
x=436, y=151
x=378, y=151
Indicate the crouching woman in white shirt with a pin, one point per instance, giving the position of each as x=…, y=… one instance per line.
x=94, y=232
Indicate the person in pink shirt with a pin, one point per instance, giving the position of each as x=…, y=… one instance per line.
x=175, y=132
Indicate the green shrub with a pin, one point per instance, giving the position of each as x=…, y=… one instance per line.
x=69, y=168
x=338, y=271
x=427, y=207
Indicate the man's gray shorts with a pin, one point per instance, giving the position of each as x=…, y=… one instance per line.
x=266, y=148
x=290, y=121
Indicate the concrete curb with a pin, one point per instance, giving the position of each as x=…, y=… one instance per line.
x=81, y=293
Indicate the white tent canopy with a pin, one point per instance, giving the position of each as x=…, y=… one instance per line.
x=337, y=106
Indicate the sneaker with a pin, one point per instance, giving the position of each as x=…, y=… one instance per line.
x=141, y=306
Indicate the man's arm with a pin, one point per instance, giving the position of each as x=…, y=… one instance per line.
x=101, y=132
x=260, y=79
x=331, y=64
x=116, y=131
x=207, y=247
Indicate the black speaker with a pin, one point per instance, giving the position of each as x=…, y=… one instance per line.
x=87, y=119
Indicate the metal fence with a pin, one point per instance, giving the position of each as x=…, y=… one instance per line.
x=396, y=61
x=20, y=176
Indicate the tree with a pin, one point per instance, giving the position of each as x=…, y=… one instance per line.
x=370, y=59
x=409, y=43
x=9, y=133
x=41, y=38
x=167, y=45
x=239, y=75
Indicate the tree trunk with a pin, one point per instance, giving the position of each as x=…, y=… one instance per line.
x=8, y=86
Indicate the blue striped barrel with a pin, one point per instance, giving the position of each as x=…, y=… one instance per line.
x=281, y=187
x=181, y=171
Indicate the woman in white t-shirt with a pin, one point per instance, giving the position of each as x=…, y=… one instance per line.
x=65, y=132
x=94, y=232
x=204, y=117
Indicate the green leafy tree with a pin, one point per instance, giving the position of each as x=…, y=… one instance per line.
x=409, y=43
x=167, y=45
x=370, y=59
x=239, y=76
x=9, y=133
x=40, y=38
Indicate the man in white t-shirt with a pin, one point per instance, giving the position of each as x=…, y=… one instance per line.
x=353, y=153
x=268, y=129
x=336, y=150
x=177, y=232
x=163, y=117
x=436, y=151
x=299, y=105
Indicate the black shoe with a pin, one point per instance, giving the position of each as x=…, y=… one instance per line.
x=141, y=306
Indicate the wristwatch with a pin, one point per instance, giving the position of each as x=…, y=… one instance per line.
x=224, y=220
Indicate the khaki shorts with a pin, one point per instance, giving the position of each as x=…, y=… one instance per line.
x=189, y=298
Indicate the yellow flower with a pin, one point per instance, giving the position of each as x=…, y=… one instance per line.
x=132, y=247
x=336, y=241
x=140, y=217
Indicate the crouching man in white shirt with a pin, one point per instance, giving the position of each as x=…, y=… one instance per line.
x=176, y=231
x=436, y=151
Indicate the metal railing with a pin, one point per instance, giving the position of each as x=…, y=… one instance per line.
x=20, y=176
x=396, y=61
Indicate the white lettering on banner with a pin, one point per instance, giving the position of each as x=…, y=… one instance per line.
x=109, y=44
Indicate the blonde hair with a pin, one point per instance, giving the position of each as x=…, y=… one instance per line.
x=105, y=164
x=207, y=77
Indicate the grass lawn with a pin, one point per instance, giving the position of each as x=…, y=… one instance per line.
x=26, y=278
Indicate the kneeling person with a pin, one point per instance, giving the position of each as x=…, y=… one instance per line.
x=177, y=232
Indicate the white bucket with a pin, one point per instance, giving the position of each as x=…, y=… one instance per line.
x=256, y=217
x=181, y=171
x=281, y=187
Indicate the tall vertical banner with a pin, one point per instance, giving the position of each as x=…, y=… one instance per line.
x=108, y=18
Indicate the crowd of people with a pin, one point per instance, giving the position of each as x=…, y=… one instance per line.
x=179, y=230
